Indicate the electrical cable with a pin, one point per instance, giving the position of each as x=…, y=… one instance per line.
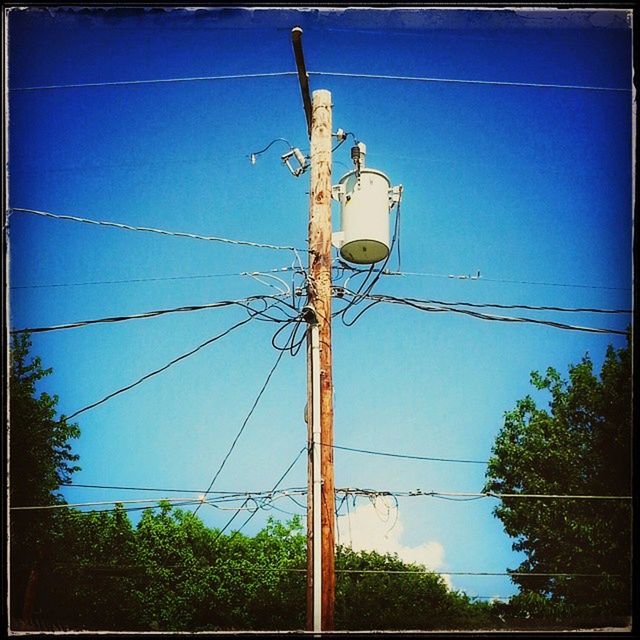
x=277, y=484
x=157, y=371
x=558, y=325
x=122, y=83
x=477, y=278
x=320, y=73
x=479, y=573
x=257, y=153
x=424, y=571
x=244, y=423
x=95, y=504
x=528, y=307
x=245, y=302
x=402, y=455
x=488, y=494
x=175, y=234
x=129, y=488
x=282, y=477
x=370, y=76
x=265, y=499
x=159, y=279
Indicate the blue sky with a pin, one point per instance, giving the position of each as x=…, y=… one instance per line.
x=526, y=184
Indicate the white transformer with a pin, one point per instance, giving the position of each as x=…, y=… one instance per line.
x=366, y=198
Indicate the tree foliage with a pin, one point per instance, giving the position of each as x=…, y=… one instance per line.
x=580, y=445
x=40, y=459
x=172, y=573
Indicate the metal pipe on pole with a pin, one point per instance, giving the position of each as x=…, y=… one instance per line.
x=317, y=477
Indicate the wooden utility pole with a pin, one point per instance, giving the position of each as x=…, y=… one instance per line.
x=319, y=298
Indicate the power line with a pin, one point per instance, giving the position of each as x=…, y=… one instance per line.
x=403, y=455
x=160, y=370
x=124, y=83
x=488, y=494
x=478, y=573
x=244, y=423
x=496, y=305
x=245, y=302
x=96, y=504
x=538, y=85
x=277, y=484
x=226, y=496
x=479, y=279
x=423, y=306
x=159, y=279
x=127, y=227
x=338, y=74
x=424, y=571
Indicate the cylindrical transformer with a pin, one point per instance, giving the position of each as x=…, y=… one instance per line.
x=364, y=216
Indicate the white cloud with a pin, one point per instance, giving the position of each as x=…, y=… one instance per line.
x=379, y=527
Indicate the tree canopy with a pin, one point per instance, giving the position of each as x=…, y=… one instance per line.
x=40, y=460
x=580, y=445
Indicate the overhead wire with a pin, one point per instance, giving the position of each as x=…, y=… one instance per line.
x=529, y=307
x=158, y=279
x=537, y=85
x=402, y=455
x=264, y=497
x=245, y=421
x=159, y=370
x=336, y=74
x=122, y=83
x=64, y=505
x=484, y=279
x=175, y=234
x=487, y=494
x=376, y=299
x=244, y=302
x=277, y=484
x=421, y=571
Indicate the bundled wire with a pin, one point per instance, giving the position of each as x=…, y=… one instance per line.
x=244, y=303
x=424, y=305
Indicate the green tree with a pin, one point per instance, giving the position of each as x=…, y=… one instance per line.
x=94, y=575
x=40, y=460
x=376, y=591
x=581, y=445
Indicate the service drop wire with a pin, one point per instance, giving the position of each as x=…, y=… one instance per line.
x=253, y=314
x=275, y=487
x=160, y=370
x=291, y=345
x=244, y=423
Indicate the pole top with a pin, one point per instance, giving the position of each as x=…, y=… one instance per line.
x=323, y=95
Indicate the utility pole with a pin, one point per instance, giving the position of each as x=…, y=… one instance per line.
x=319, y=414
x=319, y=299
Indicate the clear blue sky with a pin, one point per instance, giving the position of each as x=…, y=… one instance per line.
x=524, y=184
